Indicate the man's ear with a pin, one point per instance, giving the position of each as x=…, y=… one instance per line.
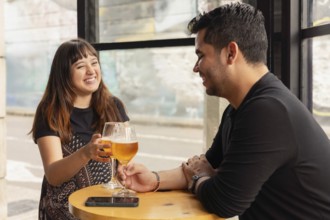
x=232, y=51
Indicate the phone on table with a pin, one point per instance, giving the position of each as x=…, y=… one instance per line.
x=109, y=201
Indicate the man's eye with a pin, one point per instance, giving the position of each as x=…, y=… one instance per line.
x=199, y=56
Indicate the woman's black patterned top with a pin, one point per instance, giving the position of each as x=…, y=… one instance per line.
x=54, y=200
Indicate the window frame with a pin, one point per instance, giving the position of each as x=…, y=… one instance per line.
x=295, y=59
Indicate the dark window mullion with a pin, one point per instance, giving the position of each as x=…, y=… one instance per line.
x=291, y=45
x=315, y=31
x=87, y=20
x=145, y=44
x=267, y=8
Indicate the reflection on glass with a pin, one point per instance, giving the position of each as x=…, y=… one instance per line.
x=321, y=81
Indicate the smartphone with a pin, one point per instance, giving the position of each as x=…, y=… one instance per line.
x=108, y=201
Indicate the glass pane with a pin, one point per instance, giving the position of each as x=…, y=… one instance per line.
x=321, y=81
x=155, y=82
x=138, y=20
x=315, y=13
x=33, y=31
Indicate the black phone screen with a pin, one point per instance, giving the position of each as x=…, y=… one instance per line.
x=112, y=201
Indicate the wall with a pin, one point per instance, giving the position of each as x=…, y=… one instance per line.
x=3, y=200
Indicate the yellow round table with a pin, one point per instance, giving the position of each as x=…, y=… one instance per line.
x=172, y=205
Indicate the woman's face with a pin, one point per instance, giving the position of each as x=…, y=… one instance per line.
x=86, y=75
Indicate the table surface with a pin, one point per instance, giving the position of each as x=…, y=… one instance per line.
x=172, y=205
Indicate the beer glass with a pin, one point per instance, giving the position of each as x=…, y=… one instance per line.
x=109, y=132
x=124, y=148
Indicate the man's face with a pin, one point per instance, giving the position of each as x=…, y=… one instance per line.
x=211, y=66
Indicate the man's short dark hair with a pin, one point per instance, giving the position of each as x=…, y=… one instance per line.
x=236, y=22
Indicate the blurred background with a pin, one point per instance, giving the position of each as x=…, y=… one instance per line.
x=146, y=60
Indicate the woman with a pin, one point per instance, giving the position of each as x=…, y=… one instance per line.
x=67, y=126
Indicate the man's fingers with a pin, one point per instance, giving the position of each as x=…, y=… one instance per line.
x=132, y=169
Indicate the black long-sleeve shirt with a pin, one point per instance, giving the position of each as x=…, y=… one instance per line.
x=273, y=159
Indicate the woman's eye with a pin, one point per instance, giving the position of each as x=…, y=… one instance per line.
x=79, y=67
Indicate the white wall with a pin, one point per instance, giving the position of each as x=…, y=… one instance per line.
x=3, y=200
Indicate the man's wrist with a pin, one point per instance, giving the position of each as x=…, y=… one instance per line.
x=199, y=183
x=194, y=182
x=158, y=181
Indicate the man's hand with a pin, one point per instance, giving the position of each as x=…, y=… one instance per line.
x=197, y=165
x=137, y=177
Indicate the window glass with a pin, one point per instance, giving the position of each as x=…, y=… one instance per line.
x=138, y=20
x=316, y=13
x=321, y=81
x=157, y=82
x=33, y=31
x=144, y=20
x=36, y=28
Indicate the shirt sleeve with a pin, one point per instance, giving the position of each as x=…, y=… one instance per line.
x=43, y=129
x=256, y=149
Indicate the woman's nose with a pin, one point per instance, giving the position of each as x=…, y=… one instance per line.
x=90, y=69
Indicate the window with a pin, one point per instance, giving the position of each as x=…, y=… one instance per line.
x=147, y=55
x=33, y=31
x=316, y=20
x=156, y=83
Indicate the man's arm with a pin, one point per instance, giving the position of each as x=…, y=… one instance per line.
x=139, y=178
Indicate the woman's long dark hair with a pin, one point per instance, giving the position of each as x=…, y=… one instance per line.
x=56, y=104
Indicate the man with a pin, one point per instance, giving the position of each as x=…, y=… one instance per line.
x=270, y=159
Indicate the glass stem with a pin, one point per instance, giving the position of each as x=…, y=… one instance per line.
x=113, y=170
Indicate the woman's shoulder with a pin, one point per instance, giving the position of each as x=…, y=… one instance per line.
x=43, y=128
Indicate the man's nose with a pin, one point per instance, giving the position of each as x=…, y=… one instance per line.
x=196, y=68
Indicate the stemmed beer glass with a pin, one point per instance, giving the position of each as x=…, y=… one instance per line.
x=124, y=148
x=108, y=134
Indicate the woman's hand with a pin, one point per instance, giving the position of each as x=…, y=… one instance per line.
x=94, y=149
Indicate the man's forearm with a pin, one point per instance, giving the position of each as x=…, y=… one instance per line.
x=172, y=179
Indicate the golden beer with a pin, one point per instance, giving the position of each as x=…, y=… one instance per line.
x=107, y=145
x=124, y=151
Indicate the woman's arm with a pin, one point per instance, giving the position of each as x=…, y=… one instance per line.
x=58, y=169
